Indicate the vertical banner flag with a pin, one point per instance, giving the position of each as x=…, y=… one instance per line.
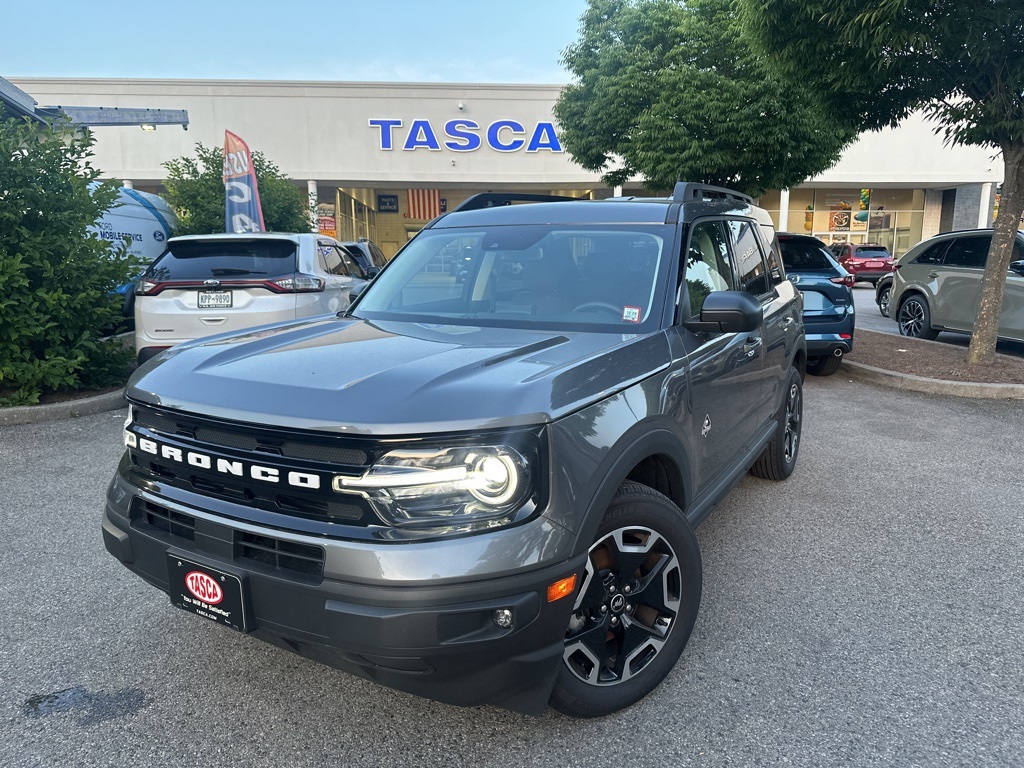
x=423, y=203
x=242, y=211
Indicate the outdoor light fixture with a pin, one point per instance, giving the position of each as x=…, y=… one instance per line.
x=147, y=127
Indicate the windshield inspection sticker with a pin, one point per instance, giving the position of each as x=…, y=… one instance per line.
x=631, y=314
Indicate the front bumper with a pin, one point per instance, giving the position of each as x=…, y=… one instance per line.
x=436, y=639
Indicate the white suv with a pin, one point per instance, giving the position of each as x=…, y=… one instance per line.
x=207, y=284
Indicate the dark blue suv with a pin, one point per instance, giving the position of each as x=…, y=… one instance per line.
x=827, y=289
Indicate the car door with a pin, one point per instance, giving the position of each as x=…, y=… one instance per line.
x=958, y=283
x=1011, y=319
x=718, y=375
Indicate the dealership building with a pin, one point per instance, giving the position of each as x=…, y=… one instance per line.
x=380, y=159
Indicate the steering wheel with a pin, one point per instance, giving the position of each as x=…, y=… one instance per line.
x=599, y=305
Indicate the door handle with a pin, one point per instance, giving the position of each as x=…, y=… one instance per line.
x=751, y=344
x=786, y=322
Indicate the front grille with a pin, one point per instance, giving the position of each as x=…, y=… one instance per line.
x=145, y=514
x=286, y=452
x=327, y=449
x=279, y=554
x=261, y=552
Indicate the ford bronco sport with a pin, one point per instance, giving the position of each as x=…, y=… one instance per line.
x=479, y=483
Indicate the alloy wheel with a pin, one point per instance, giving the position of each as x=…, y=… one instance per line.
x=627, y=606
x=794, y=413
x=911, y=319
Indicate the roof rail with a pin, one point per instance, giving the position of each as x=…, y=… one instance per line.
x=689, y=191
x=495, y=199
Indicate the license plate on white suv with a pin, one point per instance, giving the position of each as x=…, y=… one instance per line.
x=215, y=299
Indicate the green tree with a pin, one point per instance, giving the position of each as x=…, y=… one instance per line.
x=195, y=190
x=959, y=62
x=57, y=276
x=667, y=90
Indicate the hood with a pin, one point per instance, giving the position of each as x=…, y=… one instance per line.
x=388, y=378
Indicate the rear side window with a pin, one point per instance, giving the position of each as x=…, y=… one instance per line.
x=968, y=252
x=868, y=252
x=224, y=260
x=933, y=254
x=379, y=260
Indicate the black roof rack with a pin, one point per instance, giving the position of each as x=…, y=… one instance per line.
x=689, y=191
x=495, y=199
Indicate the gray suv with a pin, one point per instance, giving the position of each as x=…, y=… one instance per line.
x=937, y=285
x=479, y=483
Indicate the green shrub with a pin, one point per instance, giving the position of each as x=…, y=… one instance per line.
x=56, y=276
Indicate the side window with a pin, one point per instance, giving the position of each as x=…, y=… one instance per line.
x=379, y=260
x=968, y=252
x=330, y=260
x=351, y=266
x=933, y=254
x=708, y=266
x=747, y=256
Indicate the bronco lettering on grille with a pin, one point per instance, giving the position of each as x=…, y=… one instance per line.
x=233, y=467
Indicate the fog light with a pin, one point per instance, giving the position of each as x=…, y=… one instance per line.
x=503, y=618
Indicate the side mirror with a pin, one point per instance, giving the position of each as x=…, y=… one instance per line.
x=372, y=272
x=727, y=312
x=1018, y=267
x=357, y=291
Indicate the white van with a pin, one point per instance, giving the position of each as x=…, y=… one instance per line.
x=142, y=221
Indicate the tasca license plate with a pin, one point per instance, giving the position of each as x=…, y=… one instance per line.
x=873, y=264
x=207, y=592
x=215, y=299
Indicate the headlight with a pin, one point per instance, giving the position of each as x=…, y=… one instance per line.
x=444, y=486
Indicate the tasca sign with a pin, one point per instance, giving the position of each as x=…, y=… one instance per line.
x=463, y=135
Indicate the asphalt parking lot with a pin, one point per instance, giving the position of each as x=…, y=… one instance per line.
x=866, y=612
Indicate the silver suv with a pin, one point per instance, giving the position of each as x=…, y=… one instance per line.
x=937, y=285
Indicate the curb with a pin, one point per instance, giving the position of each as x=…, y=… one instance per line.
x=911, y=383
x=35, y=414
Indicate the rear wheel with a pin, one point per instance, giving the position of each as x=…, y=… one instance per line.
x=778, y=460
x=914, y=319
x=635, y=608
x=825, y=365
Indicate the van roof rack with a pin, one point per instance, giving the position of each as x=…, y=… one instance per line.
x=495, y=199
x=689, y=191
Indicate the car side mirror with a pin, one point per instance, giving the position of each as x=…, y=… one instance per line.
x=357, y=290
x=372, y=272
x=1018, y=267
x=727, y=312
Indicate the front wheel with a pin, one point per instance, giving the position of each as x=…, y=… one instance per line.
x=635, y=608
x=778, y=460
x=883, y=300
x=914, y=319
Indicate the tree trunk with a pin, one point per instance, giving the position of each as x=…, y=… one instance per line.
x=982, y=350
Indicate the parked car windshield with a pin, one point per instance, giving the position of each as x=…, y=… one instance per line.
x=605, y=278
x=227, y=259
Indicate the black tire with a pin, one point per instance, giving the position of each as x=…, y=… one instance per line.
x=778, y=460
x=825, y=365
x=883, y=300
x=914, y=319
x=635, y=608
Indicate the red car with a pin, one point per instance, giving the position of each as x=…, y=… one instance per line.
x=867, y=262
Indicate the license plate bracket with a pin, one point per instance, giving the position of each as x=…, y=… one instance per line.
x=215, y=300
x=209, y=592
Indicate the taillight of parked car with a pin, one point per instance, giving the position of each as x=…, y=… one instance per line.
x=844, y=280
x=297, y=283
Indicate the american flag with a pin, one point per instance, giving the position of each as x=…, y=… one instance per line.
x=423, y=203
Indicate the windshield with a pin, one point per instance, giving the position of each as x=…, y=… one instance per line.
x=231, y=259
x=603, y=279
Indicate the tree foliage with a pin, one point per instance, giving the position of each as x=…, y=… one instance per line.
x=57, y=276
x=959, y=62
x=667, y=90
x=195, y=190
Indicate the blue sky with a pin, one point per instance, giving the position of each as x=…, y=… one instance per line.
x=519, y=41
